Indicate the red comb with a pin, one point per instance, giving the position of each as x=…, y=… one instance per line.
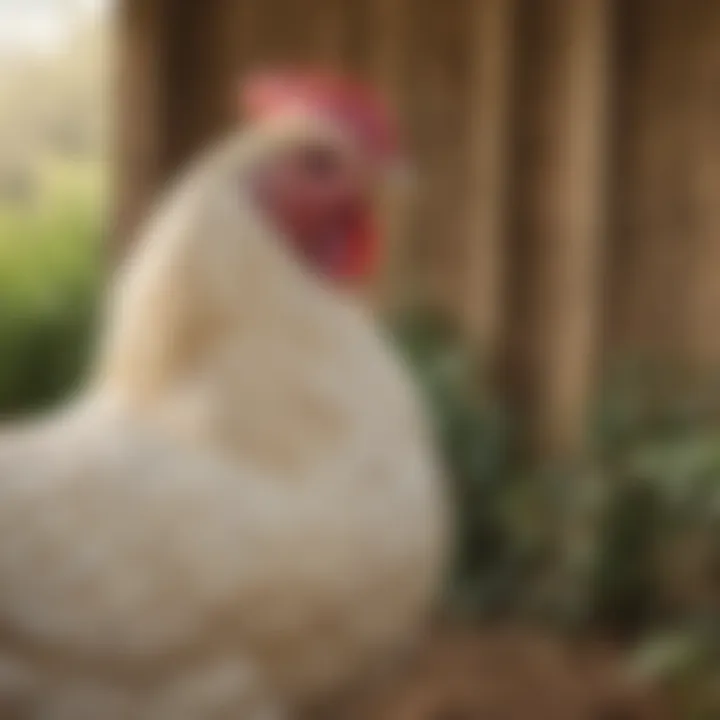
x=350, y=104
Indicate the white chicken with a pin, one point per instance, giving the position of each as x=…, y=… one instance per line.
x=243, y=511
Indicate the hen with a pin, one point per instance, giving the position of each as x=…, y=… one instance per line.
x=242, y=513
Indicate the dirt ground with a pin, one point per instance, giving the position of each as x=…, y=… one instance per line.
x=515, y=674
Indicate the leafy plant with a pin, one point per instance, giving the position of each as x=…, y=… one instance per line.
x=50, y=274
x=474, y=435
x=659, y=548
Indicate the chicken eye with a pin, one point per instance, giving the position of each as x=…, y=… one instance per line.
x=320, y=163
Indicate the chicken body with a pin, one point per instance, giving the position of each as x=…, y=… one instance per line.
x=242, y=513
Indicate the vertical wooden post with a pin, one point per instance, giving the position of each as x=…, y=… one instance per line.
x=237, y=52
x=565, y=207
x=390, y=23
x=197, y=84
x=329, y=31
x=488, y=156
x=174, y=93
x=650, y=254
x=440, y=48
x=241, y=36
x=702, y=342
x=140, y=150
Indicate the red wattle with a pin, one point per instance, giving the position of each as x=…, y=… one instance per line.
x=362, y=248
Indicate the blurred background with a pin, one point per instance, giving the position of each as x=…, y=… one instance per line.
x=555, y=282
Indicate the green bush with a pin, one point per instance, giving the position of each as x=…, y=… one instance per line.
x=475, y=436
x=627, y=540
x=49, y=284
x=658, y=538
x=656, y=571
x=626, y=543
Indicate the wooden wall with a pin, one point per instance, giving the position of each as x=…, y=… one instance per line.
x=567, y=208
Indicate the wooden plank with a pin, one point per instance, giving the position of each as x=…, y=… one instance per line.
x=491, y=73
x=197, y=87
x=330, y=32
x=388, y=67
x=564, y=204
x=140, y=147
x=236, y=39
x=702, y=339
x=651, y=187
x=439, y=48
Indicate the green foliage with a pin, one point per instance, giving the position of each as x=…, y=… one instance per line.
x=49, y=273
x=474, y=434
x=658, y=554
x=626, y=542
